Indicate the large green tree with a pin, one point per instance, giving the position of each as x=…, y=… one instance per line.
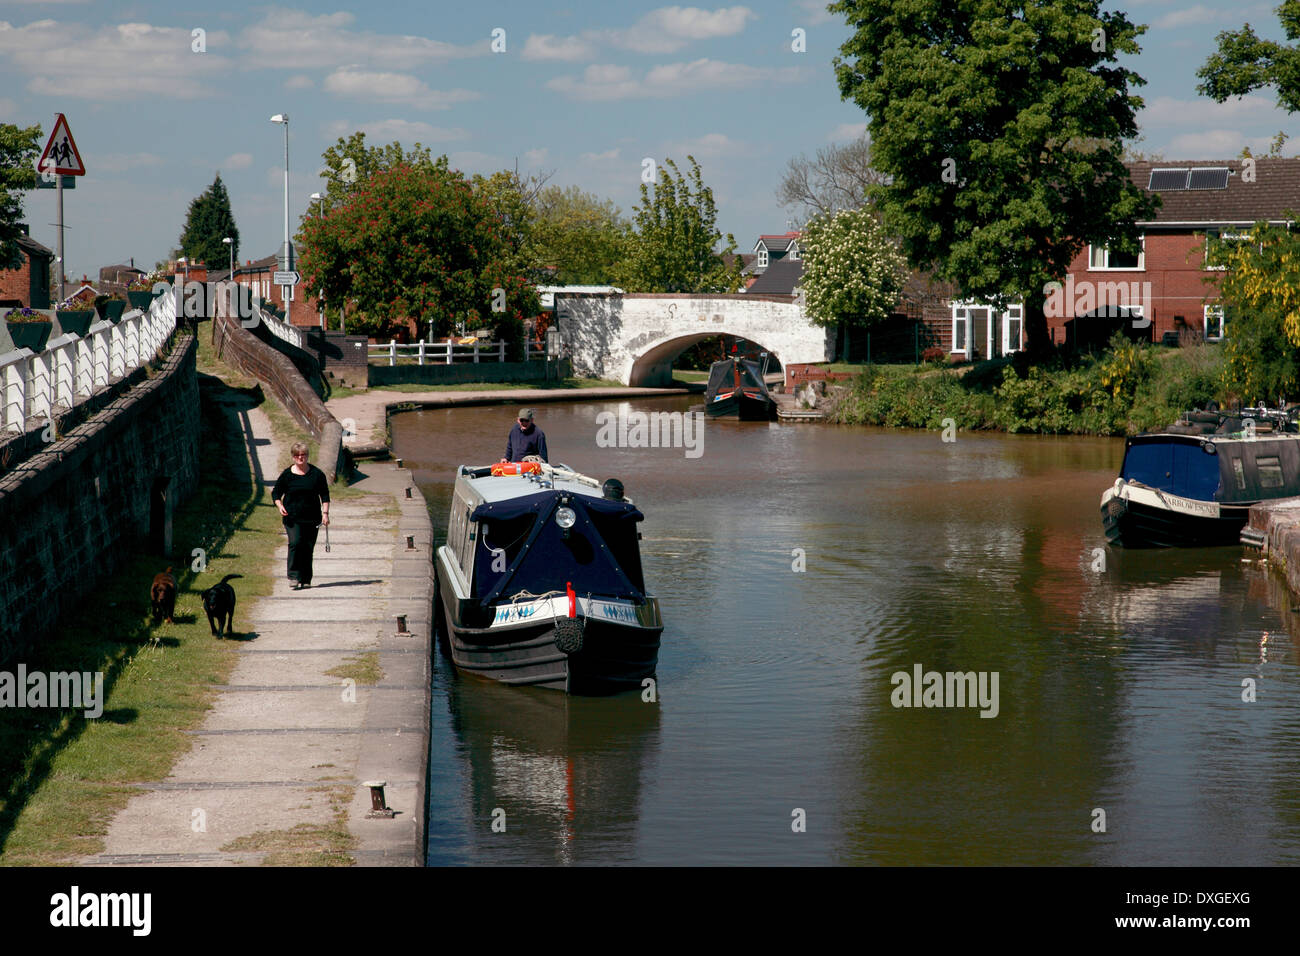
x=19, y=148
x=675, y=245
x=210, y=219
x=1243, y=62
x=852, y=273
x=999, y=124
x=577, y=237
x=417, y=242
x=350, y=163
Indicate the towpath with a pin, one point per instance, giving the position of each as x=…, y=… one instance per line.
x=276, y=770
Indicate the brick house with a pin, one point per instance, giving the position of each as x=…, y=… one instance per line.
x=257, y=274
x=28, y=285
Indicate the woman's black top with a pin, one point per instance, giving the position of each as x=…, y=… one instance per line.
x=302, y=494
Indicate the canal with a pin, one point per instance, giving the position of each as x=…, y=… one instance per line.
x=806, y=571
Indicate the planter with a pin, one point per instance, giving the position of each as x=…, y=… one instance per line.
x=140, y=300
x=112, y=310
x=76, y=321
x=30, y=335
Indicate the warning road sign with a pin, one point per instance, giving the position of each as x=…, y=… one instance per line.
x=61, y=154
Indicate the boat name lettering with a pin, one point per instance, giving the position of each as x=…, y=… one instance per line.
x=1198, y=507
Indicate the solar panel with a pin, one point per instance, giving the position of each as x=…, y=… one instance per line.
x=1208, y=177
x=1165, y=179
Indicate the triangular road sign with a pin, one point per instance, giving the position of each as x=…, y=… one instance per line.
x=61, y=152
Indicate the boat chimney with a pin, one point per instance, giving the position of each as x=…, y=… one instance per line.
x=613, y=489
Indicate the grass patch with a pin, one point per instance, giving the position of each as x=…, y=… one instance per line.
x=307, y=844
x=364, y=669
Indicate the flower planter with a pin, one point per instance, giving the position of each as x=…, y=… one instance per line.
x=75, y=321
x=30, y=335
x=112, y=310
x=140, y=300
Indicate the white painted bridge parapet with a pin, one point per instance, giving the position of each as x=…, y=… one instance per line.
x=634, y=338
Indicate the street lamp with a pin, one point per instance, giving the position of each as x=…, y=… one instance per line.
x=286, y=263
x=230, y=279
x=320, y=305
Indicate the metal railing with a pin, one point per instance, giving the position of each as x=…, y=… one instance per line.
x=36, y=386
x=449, y=353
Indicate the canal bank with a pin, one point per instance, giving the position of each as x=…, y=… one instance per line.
x=327, y=695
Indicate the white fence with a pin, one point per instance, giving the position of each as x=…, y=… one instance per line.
x=448, y=353
x=282, y=330
x=34, y=386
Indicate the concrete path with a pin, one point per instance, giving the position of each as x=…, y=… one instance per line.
x=365, y=415
x=288, y=745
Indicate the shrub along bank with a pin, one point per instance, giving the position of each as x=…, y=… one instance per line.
x=1127, y=389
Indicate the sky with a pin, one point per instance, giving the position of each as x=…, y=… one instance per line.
x=160, y=97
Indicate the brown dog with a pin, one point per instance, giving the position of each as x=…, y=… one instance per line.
x=163, y=596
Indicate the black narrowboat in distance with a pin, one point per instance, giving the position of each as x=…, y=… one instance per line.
x=736, y=387
x=539, y=582
x=1193, y=484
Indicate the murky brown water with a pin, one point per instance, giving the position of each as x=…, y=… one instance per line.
x=1118, y=690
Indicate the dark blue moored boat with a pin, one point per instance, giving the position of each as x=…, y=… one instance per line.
x=736, y=388
x=1194, y=483
x=540, y=582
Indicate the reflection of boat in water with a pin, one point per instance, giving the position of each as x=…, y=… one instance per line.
x=1193, y=484
x=562, y=772
x=736, y=387
x=540, y=581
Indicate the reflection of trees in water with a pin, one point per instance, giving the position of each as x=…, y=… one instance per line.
x=566, y=770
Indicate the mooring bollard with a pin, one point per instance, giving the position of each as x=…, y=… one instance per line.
x=408, y=491
x=378, y=806
x=400, y=464
x=410, y=542
x=401, y=624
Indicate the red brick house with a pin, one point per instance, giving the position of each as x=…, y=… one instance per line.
x=257, y=274
x=29, y=284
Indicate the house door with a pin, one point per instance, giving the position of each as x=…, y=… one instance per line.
x=981, y=333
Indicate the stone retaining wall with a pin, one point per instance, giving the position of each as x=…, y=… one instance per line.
x=241, y=348
x=69, y=513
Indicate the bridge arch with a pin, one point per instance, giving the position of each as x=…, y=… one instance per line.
x=654, y=366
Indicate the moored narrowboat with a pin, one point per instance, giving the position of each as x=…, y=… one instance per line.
x=540, y=582
x=736, y=388
x=1193, y=484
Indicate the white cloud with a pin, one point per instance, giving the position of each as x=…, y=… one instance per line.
x=8, y=107
x=535, y=157
x=1202, y=111
x=815, y=12
x=605, y=82
x=470, y=162
x=297, y=40
x=392, y=88
x=543, y=46
x=847, y=131
x=1191, y=15
x=237, y=161
x=709, y=145
x=665, y=30
x=299, y=82
x=408, y=131
x=609, y=156
x=130, y=59
x=1213, y=144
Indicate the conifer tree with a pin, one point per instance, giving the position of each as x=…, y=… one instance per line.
x=210, y=220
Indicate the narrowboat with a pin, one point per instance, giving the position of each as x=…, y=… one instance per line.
x=1193, y=484
x=736, y=388
x=540, y=582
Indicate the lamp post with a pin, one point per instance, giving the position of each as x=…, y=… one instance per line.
x=320, y=305
x=286, y=257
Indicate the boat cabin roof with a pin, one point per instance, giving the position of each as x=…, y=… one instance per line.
x=490, y=489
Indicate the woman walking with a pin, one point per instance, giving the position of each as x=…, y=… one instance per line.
x=302, y=496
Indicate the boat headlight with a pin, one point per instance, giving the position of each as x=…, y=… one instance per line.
x=565, y=518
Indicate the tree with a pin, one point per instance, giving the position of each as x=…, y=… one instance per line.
x=419, y=243
x=577, y=237
x=838, y=177
x=999, y=125
x=19, y=148
x=674, y=248
x=852, y=274
x=210, y=220
x=1260, y=292
x=350, y=163
x=1244, y=62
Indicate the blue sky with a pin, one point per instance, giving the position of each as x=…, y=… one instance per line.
x=586, y=89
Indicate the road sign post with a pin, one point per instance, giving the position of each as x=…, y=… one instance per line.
x=60, y=158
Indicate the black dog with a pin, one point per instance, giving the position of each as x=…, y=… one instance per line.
x=219, y=602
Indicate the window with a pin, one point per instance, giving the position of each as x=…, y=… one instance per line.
x=1012, y=326
x=1227, y=237
x=762, y=258
x=1103, y=258
x=1270, y=472
x=1240, y=473
x=794, y=250
x=1213, y=323
x=959, y=325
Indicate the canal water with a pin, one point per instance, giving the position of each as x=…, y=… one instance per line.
x=805, y=570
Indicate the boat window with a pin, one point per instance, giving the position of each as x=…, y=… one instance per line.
x=1240, y=473
x=1181, y=469
x=1270, y=472
x=509, y=535
x=620, y=534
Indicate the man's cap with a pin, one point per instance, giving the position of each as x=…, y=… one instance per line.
x=526, y=413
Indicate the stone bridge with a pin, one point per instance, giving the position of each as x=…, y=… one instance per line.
x=635, y=338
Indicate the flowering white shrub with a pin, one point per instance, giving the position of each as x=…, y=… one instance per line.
x=852, y=273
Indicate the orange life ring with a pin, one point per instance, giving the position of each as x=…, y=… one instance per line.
x=516, y=468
